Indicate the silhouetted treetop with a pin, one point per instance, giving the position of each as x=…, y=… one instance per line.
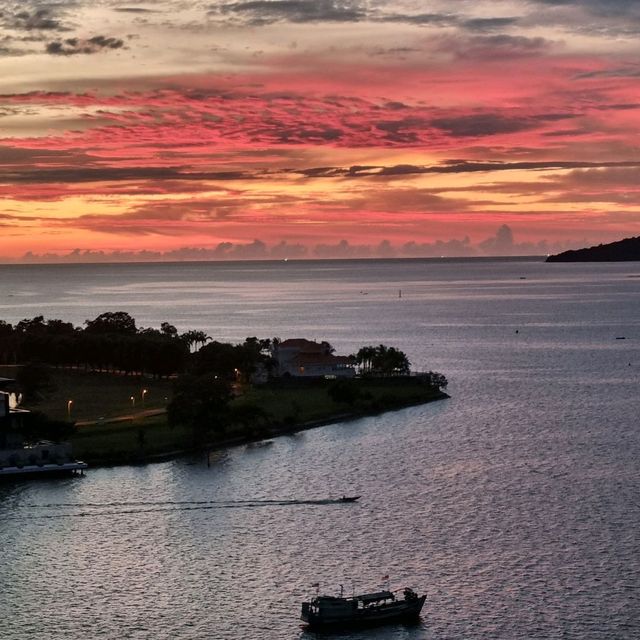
x=112, y=322
x=382, y=360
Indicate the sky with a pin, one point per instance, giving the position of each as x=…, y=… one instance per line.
x=189, y=129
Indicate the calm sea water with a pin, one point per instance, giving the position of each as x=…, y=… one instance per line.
x=515, y=504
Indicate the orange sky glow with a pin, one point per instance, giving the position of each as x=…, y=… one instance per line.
x=316, y=128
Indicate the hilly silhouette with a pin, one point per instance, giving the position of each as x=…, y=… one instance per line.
x=621, y=251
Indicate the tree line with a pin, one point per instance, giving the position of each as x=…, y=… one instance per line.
x=208, y=373
x=110, y=342
x=113, y=343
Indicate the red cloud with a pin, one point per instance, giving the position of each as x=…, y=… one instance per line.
x=197, y=134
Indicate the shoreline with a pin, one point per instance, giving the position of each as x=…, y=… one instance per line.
x=270, y=432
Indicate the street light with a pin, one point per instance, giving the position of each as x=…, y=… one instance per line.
x=133, y=401
x=144, y=393
x=69, y=403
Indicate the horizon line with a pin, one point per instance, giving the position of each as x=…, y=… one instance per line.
x=511, y=258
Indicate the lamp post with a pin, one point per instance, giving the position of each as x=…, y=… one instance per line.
x=144, y=393
x=69, y=404
x=133, y=401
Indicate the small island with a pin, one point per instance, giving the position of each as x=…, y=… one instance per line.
x=120, y=394
x=621, y=251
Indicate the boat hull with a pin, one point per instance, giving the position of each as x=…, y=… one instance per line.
x=400, y=611
x=43, y=470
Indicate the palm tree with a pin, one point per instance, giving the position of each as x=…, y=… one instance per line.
x=365, y=358
x=195, y=339
x=382, y=360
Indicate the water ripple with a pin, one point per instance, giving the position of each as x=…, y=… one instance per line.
x=513, y=505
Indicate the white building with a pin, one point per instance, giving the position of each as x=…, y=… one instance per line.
x=298, y=357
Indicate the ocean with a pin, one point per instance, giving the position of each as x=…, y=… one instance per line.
x=514, y=505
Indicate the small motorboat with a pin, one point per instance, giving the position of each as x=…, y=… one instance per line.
x=367, y=609
x=348, y=498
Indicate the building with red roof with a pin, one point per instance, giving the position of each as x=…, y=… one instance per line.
x=298, y=357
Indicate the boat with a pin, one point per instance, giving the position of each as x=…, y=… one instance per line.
x=368, y=609
x=20, y=459
x=348, y=498
x=71, y=468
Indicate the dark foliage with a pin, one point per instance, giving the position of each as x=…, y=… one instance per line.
x=110, y=342
x=382, y=360
x=232, y=362
x=34, y=380
x=201, y=403
x=344, y=391
x=37, y=426
x=435, y=379
x=112, y=322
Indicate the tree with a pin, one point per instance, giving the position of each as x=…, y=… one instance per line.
x=436, y=380
x=32, y=326
x=365, y=357
x=383, y=360
x=34, y=380
x=117, y=322
x=9, y=343
x=195, y=338
x=201, y=403
x=6, y=329
x=60, y=328
x=164, y=355
x=253, y=354
x=169, y=330
x=391, y=361
x=218, y=358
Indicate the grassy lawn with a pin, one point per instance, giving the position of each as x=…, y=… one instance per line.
x=129, y=441
x=97, y=395
x=291, y=403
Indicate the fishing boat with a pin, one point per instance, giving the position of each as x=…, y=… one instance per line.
x=367, y=609
x=348, y=498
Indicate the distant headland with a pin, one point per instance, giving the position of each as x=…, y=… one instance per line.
x=621, y=251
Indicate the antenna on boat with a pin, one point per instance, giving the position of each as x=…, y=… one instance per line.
x=341, y=591
x=353, y=588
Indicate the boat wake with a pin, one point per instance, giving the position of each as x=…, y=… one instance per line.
x=95, y=509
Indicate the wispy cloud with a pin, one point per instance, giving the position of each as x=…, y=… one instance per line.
x=77, y=46
x=134, y=10
x=44, y=19
x=260, y=12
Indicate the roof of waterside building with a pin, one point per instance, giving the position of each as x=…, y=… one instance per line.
x=321, y=358
x=303, y=344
